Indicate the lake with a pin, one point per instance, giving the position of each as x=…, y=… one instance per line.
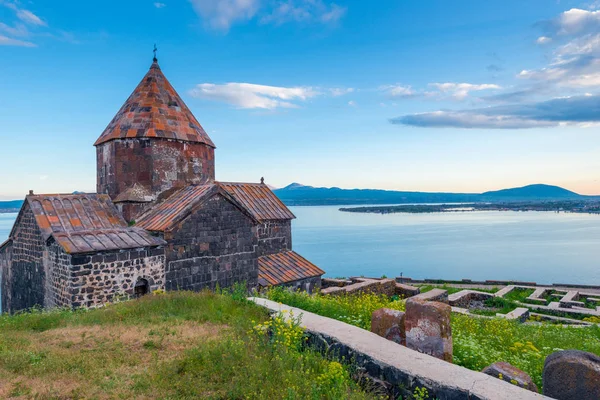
x=544, y=247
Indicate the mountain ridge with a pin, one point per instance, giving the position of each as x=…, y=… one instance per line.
x=297, y=194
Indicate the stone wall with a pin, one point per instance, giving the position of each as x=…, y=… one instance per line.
x=155, y=164
x=57, y=268
x=364, y=285
x=308, y=285
x=397, y=369
x=97, y=279
x=216, y=245
x=5, y=273
x=24, y=286
x=274, y=237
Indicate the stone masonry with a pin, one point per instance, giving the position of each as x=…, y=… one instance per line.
x=100, y=278
x=23, y=283
x=214, y=246
x=274, y=237
x=156, y=165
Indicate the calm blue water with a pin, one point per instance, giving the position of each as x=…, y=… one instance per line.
x=534, y=246
x=544, y=247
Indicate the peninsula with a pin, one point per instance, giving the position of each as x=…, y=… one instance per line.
x=573, y=206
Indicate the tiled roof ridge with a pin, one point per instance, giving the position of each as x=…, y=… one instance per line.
x=283, y=267
x=261, y=201
x=85, y=214
x=84, y=223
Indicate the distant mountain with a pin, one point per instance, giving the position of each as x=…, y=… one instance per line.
x=298, y=194
x=12, y=205
x=533, y=192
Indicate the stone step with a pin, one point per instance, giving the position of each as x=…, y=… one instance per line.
x=536, y=296
x=440, y=295
x=570, y=321
x=406, y=291
x=520, y=314
x=594, y=299
x=570, y=299
x=502, y=292
x=464, y=297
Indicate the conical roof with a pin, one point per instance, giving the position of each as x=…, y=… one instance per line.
x=155, y=110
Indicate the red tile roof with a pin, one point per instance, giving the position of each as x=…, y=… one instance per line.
x=285, y=267
x=155, y=110
x=259, y=200
x=86, y=223
x=176, y=207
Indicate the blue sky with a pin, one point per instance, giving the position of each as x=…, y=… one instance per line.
x=427, y=95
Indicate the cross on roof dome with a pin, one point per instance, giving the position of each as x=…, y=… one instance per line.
x=155, y=110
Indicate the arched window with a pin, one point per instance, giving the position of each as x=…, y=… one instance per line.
x=142, y=287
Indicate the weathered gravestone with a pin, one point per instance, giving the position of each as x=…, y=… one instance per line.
x=572, y=375
x=389, y=324
x=506, y=372
x=428, y=328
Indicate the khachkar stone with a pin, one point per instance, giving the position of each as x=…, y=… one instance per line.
x=428, y=328
x=572, y=374
x=389, y=324
x=506, y=372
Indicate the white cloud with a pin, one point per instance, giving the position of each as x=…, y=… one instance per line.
x=398, y=91
x=159, y=5
x=575, y=64
x=23, y=21
x=304, y=11
x=575, y=21
x=334, y=14
x=582, y=111
x=6, y=41
x=19, y=30
x=221, y=14
x=248, y=95
x=460, y=91
x=29, y=17
x=336, y=92
x=352, y=103
x=543, y=40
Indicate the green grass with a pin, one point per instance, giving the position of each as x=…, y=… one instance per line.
x=176, y=346
x=478, y=342
x=498, y=304
x=519, y=294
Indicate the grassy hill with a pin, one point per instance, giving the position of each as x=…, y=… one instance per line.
x=170, y=346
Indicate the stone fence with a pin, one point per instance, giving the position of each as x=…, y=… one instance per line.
x=364, y=285
x=398, y=367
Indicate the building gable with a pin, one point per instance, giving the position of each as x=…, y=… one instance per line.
x=183, y=203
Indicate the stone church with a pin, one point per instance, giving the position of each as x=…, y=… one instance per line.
x=159, y=219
